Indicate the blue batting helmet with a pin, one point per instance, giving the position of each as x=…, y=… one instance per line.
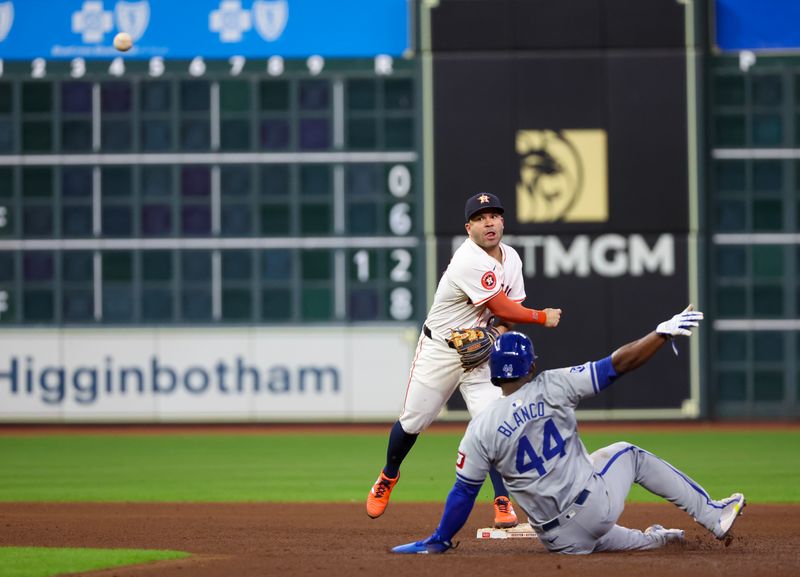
x=512, y=357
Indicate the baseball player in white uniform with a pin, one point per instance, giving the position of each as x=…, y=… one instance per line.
x=483, y=280
x=572, y=499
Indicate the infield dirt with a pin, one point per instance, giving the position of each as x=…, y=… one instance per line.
x=331, y=540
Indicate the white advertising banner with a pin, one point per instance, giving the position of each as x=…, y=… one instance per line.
x=199, y=374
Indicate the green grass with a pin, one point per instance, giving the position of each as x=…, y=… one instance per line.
x=43, y=562
x=765, y=465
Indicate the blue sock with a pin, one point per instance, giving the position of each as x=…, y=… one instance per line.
x=400, y=444
x=497, y=482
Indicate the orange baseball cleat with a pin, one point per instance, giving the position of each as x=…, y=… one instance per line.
x=378, y=498
x=504, y=515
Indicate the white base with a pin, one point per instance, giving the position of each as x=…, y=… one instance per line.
x=521, y=531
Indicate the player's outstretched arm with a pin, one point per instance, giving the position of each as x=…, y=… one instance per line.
x=635, y=354
x=456, y=512
x=506, y=309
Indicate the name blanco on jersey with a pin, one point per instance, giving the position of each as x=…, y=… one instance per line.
x=521, y=416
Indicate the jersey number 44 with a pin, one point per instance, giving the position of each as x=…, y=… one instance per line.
x=552, y=446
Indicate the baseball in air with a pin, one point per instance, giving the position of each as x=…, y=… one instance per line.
x=123, y=41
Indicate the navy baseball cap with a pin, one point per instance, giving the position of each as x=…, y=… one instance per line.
x=482, y=201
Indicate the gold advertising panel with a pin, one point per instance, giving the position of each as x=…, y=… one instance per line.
x=563, y=176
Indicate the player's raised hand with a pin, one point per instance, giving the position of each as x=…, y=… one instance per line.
x=681, y=324
x=553, y=317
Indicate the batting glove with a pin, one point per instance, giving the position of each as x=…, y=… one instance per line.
x=681, y=324
x=430, y=546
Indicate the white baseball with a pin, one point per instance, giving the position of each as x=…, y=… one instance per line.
x=123, y=41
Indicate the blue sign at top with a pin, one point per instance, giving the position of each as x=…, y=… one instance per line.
x=762, y=25
x=184, y=29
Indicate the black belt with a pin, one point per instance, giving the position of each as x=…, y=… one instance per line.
x=427, y=332
x=582, y=496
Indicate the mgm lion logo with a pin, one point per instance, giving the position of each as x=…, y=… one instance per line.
x=563, y=176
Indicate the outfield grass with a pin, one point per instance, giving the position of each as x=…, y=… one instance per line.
x=45, y=561
x=765, y=465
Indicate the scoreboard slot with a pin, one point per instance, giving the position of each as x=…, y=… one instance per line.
x=209, y=192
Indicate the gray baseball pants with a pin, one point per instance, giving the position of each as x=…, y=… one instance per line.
x=592, y=525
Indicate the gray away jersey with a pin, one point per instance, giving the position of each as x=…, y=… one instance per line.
x=531, y=438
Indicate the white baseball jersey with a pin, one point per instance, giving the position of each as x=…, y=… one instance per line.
x=471, y=279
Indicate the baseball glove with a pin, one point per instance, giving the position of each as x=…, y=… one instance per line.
x=473, y=345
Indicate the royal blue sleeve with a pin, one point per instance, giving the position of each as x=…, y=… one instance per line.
x=604, y=370
x=457, y=509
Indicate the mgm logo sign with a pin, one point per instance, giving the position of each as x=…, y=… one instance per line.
x=563, y=176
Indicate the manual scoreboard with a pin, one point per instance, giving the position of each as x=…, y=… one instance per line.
x=232, y=190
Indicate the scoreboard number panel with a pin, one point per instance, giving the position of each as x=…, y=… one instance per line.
x=210, y=191
x=383, y=65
